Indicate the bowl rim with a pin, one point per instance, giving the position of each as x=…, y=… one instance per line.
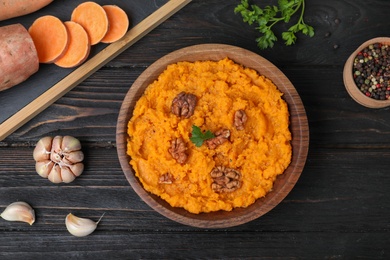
x=350, y=84
x=298, y=127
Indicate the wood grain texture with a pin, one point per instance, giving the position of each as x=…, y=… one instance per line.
x=323, y=215
x=338, y=209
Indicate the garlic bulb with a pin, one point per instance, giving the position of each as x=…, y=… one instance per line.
x=59, y=158
x=19, y=211
x=80, y=227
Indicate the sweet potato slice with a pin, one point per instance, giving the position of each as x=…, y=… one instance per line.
x=118, y=21
x=93, y=18
x=50, y=38
x=79, y=46
x=18, y=56
x=15, y=8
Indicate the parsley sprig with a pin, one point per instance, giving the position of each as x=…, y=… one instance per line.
x=198, y=137
x=265, y=18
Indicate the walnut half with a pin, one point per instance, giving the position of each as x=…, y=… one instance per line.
x=225, y=179
x=178, y=150
x=166, y=178
x=221, y=136
x=240, y=118
x=183, y=105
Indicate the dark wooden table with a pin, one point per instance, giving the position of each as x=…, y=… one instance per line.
x=339, y=209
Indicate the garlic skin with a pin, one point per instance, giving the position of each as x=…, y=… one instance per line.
x=80, y=227
x=19, y=211
x=42, y=149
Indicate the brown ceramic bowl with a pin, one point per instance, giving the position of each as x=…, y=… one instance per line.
x=298, y=127
x=349, y=82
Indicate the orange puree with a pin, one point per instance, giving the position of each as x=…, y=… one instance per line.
x=260, y=152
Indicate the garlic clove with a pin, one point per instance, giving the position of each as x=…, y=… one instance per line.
x=43, y=168
x=77, y=168
x=66, y=175
x=70, y=144
x=56, y=152
x=42, y=149
x=80, y=227
x=19, y=211
x=74, y=157
x=55, y=174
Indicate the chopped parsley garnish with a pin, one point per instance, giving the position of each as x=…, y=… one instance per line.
x=198, y=137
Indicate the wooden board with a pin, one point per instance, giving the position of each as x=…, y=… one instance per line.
x=22, y=102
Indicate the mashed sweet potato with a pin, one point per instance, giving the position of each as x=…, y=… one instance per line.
x=259, y=152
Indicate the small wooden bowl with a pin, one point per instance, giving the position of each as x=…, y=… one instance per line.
x=349, y=82
x=298, y=127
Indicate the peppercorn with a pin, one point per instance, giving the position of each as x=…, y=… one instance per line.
x=371, y=71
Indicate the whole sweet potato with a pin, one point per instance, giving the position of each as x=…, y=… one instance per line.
x=15, y=8
x=18, y=56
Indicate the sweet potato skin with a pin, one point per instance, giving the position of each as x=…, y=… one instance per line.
x=15, y=8
x=18, y=56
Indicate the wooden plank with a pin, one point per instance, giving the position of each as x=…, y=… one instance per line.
x=202, y=245
x=317, y=198
x=335, y=207
x=88, y=68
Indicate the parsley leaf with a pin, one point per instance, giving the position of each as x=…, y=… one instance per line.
x=198, y=137
x=265, y=18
